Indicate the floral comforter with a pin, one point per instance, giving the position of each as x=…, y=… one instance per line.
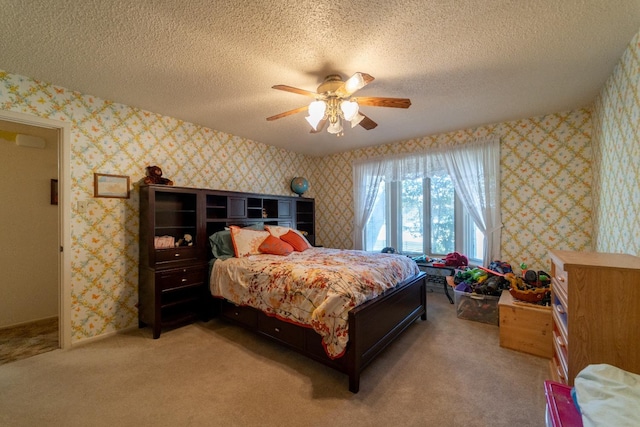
x=315, y=288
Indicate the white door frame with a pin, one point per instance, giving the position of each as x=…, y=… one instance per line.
x=64, y=217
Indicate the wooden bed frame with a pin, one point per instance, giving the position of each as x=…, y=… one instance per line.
x=372, y=327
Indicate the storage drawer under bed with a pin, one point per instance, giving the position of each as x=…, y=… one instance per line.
x=280, y=330
x=268, y=325
x=243, y=315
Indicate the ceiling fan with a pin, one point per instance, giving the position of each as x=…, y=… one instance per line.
x=334, y=103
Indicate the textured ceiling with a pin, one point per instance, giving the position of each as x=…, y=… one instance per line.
x=462, y=63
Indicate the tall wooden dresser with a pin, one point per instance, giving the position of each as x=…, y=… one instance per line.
x=596, y=312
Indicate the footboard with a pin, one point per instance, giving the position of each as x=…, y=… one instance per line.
x=376, y=323
x=372, y=326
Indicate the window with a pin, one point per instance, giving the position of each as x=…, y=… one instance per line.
x=422, y=216
x=393, y=208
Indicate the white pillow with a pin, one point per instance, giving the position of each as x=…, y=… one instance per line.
x=246, y=241
x=277, y=230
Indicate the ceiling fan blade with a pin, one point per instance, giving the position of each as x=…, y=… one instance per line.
x=354, y=83
x=383, y=102
x=367, y=123
x=288, y=113
x=320, y=126
x=295, y=90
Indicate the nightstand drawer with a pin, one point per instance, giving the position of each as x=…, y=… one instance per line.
x=179, y=277
x=187, y=253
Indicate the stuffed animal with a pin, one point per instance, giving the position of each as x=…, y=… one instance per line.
x=154, y=176
x=187, y=240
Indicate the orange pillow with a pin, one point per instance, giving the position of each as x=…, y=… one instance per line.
x=274, y=246
x=298, y=242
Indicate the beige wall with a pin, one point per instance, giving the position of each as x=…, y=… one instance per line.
x=29, y=253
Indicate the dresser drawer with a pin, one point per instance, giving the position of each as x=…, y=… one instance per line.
x=558, y=374
x=244, y=315
x=561, y=297
x=560, y=355
x=559, y=315
x=560, y=279
x=282, y=331
x=179, y=277
x=187, y=253
x=561, y=348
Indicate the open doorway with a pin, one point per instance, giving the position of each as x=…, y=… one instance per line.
x=29, y=285
x=34, y=291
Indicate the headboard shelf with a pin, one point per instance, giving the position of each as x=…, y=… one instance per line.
x=172, y=267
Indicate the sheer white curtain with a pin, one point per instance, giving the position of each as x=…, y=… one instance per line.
x=475, y=171
x=369, y=173
x=366, y=181
x=474, y=168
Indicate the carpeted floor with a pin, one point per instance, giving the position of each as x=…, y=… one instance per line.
x=441, y=372
x=29, y=339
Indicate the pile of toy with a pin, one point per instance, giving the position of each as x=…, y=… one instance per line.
x=483, y=281
x=478, y=290
x=530, y=286
x=533, y=287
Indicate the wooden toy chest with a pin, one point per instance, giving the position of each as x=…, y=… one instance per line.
x=525, y=327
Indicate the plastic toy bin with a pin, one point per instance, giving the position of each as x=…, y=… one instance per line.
x=477, y=307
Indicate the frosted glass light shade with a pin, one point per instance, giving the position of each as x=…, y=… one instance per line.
x=354, y=83
x=349, y=109
x=313, y=121
x=335, y=127
x=356, y=120
x=317, y=109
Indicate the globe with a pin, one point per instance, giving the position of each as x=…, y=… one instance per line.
x=299, y=185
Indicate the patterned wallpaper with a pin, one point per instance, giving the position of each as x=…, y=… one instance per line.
x=546, y=180
x=616, y=146
x=545, y=184
x=117, y=139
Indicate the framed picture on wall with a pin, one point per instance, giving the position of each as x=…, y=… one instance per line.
x=54, y=191
x=114, y=186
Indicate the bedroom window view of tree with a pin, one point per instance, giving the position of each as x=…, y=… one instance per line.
x=432, y=202
x=420, y=216
x=442, y=214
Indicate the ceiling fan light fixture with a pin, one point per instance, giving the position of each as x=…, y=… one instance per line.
x=349, y=109
x=333, y=103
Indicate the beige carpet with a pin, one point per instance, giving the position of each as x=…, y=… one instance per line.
x=442, y=372
x=27, y=340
